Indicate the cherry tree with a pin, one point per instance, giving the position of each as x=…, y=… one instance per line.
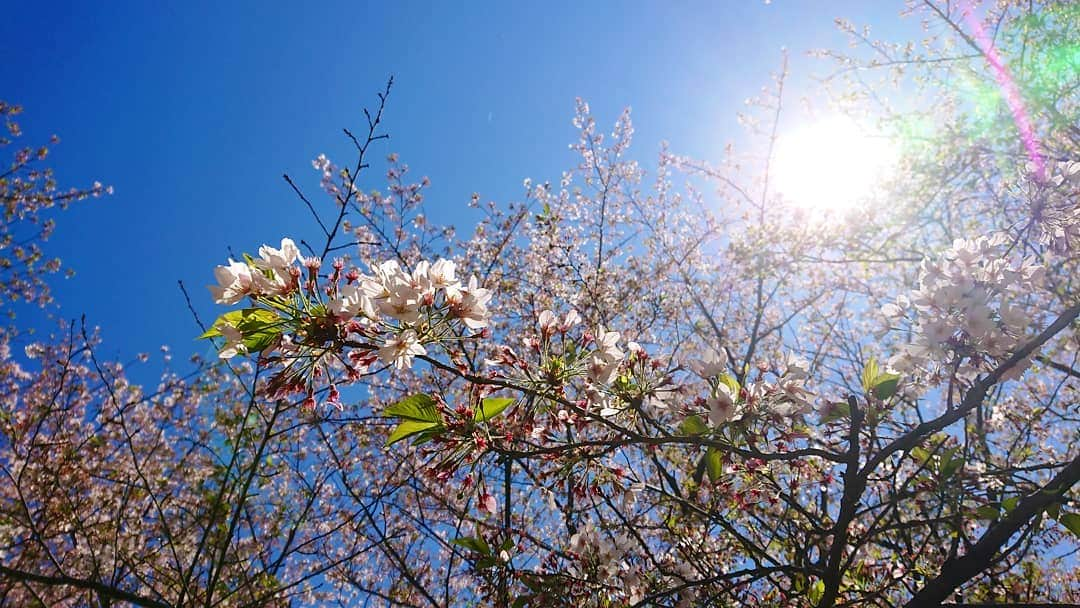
x=116, y=494
x=667, y=386
x=642, y=395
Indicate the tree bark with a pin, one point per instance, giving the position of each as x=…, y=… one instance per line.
x=981, y=556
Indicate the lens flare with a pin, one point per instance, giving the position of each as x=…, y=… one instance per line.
x=1010, y=90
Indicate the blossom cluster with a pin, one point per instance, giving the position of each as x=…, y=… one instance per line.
x=1056, y=206
x=616, y=380
x=610, y=379
x=727, y=402
x=273, y=274
x=601, y=557
x=316, y=323
x=967, y=311
x=409, y=298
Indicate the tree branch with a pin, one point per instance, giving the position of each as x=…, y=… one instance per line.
x=78, y=583
x=981, y=556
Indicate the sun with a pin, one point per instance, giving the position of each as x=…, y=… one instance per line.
x=830, y=165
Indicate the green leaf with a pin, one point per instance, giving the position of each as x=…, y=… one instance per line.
x=836, y=411
x=473, y=543
x=885, y=385
x=950, y=466
x=868, y=374
x=987, y=512
x=1010, y=503
x=419, y=407
x=210, y=333
x=260, y=327
x=258, y=315
x=731, y=383
x=817, y=590
x=408, y=428
x=798, y=583
x=418, y=415
x=714, y=464
x=491, y=407
x=693, y=425
x=878, y=383
x=920, y=454
x=232, y=318
x=426, y=436
x=261, y=338
x=1072, y=522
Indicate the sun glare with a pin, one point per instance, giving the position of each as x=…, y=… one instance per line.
x=830, y=165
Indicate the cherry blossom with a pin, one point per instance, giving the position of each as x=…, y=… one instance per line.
x=234, y=283
x=400, y=349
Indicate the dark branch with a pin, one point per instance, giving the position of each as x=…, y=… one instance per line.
x=981, y=556
x=78, y=583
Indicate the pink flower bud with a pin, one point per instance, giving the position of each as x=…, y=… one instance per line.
x=488, y=503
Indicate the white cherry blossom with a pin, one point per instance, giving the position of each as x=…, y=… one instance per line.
x=711, y=365
x=279, y=259
x=606, y=345
x=234, y=342
x=399, y=350
x=352, y=302
x=234, y=282
x=471, y=305
x=721, y=405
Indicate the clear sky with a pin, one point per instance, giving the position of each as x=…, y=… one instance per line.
x=193, y=110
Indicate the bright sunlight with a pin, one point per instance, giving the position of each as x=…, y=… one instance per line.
x=830, y=164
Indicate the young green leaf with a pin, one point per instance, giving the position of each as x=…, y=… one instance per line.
x=233, y=318
x=731, y=383
x=491, y=407
x=1010, y=503
x=885, y=385
x=1072, y=522
x=817, y=590
x=693, y=425
x=950, y=464
x=419, y=407
x=261, y=338
x=836, y=411
x=868, y=374
x=408, y=428
x=920, y=454
x=1053, y=511
x=880, y=384
x=714, y=464
x=477, y=544
x=259, y=326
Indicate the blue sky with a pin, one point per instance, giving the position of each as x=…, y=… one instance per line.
x=193, y=110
